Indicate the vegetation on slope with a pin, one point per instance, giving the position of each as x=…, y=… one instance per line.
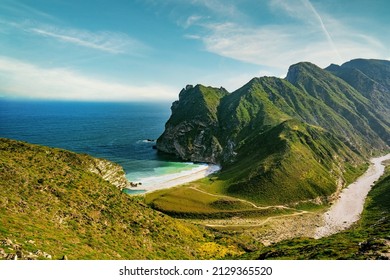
x=369, y=238
x=293, y=162
x=280, y=141
x=52, y=205
x=370, y=77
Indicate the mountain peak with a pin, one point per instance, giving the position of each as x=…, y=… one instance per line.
x=298, y=69
x=324, y=117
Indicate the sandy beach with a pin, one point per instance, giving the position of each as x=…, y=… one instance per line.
x=170, y=180
x=349, y=206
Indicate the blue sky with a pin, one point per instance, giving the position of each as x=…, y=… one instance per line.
x=133, y=50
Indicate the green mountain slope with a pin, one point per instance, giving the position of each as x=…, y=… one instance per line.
x=361, y=122
x=54, y=202
x=331, y=128
x=367, y=239
x=370, y=77
x=292, y=161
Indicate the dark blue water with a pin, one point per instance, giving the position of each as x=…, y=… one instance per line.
x=114, y=131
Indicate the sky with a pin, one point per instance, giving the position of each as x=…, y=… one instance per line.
x=148, y=50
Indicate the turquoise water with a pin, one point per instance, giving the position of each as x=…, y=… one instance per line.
x=115, y=131
x=133, y=192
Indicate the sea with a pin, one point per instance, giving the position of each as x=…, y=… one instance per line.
x=124, y=133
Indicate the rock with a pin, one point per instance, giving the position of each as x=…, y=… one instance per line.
x=19, y=254
x=2, y=253
x=193, y=133
x=12, y=257
x=6, y=242
x=111, y=172
x=38, y=253
x=46, y=255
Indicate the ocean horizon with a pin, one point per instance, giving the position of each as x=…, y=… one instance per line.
x=123, y=133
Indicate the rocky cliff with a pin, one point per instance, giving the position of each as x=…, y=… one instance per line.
x=191, y=132
x=272, y=133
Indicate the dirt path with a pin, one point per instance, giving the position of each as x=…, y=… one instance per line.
x=258, y=222
x=243, y=200
x=349, y=206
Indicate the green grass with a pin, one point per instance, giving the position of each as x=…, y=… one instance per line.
x=190, y=203
x=50, y=197
x=369, y=238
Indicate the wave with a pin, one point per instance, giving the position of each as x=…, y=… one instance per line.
x=196, y=172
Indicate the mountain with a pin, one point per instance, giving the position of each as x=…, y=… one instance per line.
x=55, y=203
x=283, y=140
x=371, y=77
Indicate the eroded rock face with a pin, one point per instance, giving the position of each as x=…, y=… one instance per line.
x=110, y=172
x=192, y=141
x=192, y=131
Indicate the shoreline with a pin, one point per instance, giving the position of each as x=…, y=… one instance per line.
x=150, y=184
x=349, y=206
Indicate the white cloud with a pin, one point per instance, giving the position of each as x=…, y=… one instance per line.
x=191, y=20
x=105, y=41
x=111, y=42
x=312, y=36
x=218, y=7
x=19, y=79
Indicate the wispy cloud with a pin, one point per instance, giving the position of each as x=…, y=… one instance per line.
x=310, y=35
x=105, y=41
x=192, y=20
x=221, y=7
x=23, y=10
x=305, y=11
x=19, y=79
x=111, y=42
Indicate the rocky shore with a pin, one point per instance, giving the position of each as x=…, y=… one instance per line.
x=110, y=172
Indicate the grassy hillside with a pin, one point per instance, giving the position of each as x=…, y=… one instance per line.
x=361, y=123
x=371, y=77
x=369, y=238
x=289, y=163
x=52, y=204
x=280, y=141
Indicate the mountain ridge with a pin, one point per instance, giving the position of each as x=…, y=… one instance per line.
x=347, y=124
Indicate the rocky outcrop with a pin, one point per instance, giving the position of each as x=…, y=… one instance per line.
x=111, y=172
x=192, y=131
x=13, y=250
x=200, y=146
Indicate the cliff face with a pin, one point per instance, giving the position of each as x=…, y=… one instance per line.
x=331, y=123
x=111, y=172
x=191, y=132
